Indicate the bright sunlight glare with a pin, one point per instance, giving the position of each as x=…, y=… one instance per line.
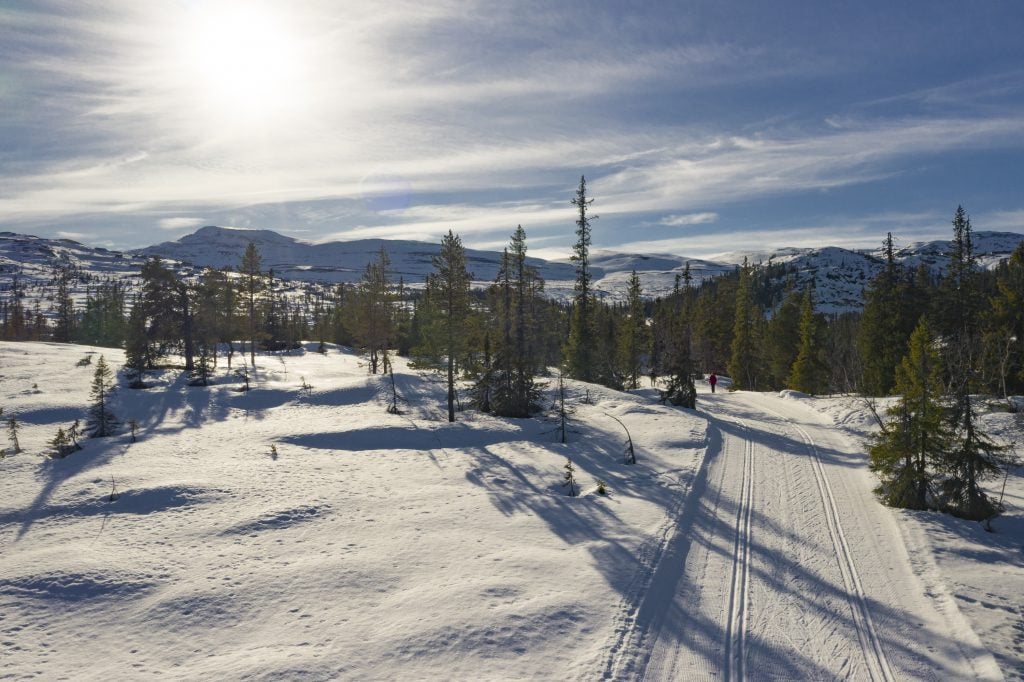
x=244, y=65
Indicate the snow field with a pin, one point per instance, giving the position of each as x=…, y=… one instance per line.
x=373, y=546
x=974, y=577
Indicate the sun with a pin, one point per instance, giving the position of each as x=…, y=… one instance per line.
x=243, y=65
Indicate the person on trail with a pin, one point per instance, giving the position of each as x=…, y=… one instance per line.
x=712, y=380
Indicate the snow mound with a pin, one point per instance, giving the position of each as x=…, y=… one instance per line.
x=790, y=394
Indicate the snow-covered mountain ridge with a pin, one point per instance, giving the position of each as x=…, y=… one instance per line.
x=291, y=258
x=839, y=275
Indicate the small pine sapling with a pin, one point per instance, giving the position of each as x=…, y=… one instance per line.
x=306, y=387
x=273, y=451
x=113, y=491
x=84, y=362
x=569, y=478
x=133, y=426
x=101, y=422
x=203, y=367
x=12, y=434
x=243, y=374
x=562, y=412
x=602, y=488
x=74, y=431
x=61, y=444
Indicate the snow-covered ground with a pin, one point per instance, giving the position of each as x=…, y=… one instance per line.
x=374, y=546
x=745, y=541
x=981, y=572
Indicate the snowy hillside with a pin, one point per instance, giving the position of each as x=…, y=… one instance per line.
x=838, y=275
x=329, y=261
x=373, y=546
x=286, y=533
x=34, y=263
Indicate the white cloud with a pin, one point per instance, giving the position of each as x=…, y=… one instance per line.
x=679, y=220
x=181, y=223
x=77, y=236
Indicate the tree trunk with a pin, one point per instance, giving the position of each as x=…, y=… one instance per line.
x=451, y=387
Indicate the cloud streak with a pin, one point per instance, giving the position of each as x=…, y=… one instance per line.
x=406, y=120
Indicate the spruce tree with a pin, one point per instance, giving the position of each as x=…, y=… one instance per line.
x=507, y=384
x=580, y=351
x=569, y=478
x=252, y=285
x=161, y=309
x=743, y=360
x=916, y=436
x=61, y=444
x=373, y=318
x=451, y=291
x=1004, y=327
x=65, y=323
x=891, y=311
x=972, y=458
x=633, y=334
x=808, y=373
x=101, y=422
x=677, y=345
x=13, y=427
x=137, y=352
x=783, y=339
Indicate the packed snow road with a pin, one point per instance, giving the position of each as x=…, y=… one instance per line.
x=783, y=566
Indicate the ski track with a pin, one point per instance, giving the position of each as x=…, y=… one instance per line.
x=694, y=615
x=736, y=626
x=635, y=652
x=867, y=634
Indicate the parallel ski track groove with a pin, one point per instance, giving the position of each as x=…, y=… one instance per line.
x=736, y=624
x=867, y=635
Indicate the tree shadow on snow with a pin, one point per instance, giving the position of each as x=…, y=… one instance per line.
x=708, y=520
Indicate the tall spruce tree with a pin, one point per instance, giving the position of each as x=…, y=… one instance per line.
x=1004, y=326
x=507, y=384
x=373, y=319
x=809, y=373
x=64, y=330
x=136, y=346
x=677, y=345
x=581, y=351
x=161, y=307
x=743, y=363
x=252, y=285
x=633, y=334
x=451, y=293
x=889, y=317
x=972, y=458
x=916, y=435
x=782, y=342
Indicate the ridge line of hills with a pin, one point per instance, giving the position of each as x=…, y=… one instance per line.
x=839, y=275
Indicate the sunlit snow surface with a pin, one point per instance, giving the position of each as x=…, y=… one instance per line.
x=374, y=546
x=378, y=546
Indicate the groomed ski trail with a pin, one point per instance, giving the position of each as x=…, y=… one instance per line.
x=783, y=566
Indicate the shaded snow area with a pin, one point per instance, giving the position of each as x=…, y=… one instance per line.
x=287, y=533
x=374, y=546
x=963, y=566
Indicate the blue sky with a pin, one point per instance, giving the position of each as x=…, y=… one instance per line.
x=702, y=127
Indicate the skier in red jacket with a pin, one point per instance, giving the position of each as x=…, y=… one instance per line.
x=712, y=380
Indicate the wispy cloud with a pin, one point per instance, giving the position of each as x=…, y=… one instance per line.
x=181, y=223
x=74, y=235
x=683, y=219
x=407, y=119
